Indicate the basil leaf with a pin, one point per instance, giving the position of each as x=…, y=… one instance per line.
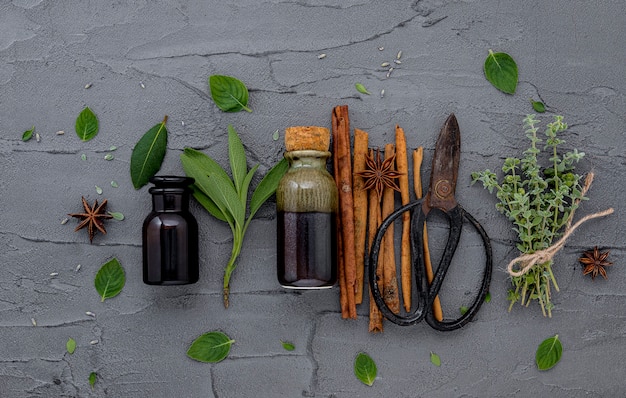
x=28, y=134
x=501, y=71
x=110, y=279
x=361, y=89
x=229, y=93
x=92, y=379
x=267, y=186
x=70, y=345
x=365, y=369
x=148, y=154
x=210, y=347
x=538, y=106
x=548, y=353
x=86, y=125
x=434, y=359
x=288, y=346
x=237, y=159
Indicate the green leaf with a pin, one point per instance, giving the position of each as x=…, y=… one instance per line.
x=288, y=346
x=538, y=106
x=434, y=359
x=86, y=125
x=70, y=345
x=208, y=203
x=365, y=369
x=276, y=135
x=548, y=353
x=488, y=297
x=229, y=93
x=267, y=186
x=116, y=215
x=210, y=347
x=501, y=71
x=361, y=89
x=28, y=134
x=148, y=154
x=92, y=379
x=463, y=309
x=237, y=158
x=110, y=279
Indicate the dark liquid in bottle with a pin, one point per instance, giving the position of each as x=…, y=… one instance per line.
x=170, y=250
x=306, y=250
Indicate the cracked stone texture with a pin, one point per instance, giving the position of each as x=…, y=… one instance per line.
x=570, y=55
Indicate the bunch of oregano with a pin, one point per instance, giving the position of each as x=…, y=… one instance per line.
x=538, y=201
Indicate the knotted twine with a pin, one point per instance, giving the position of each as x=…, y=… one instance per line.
x=529, y=260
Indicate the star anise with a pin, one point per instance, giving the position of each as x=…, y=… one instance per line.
x=594, y=262
x=379, y=174
x=92, y=218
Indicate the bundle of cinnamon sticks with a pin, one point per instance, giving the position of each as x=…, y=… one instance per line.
x=361, y=212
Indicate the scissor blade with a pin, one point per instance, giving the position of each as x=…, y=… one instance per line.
x=445, y=167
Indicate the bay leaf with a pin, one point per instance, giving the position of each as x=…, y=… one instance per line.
x=229, y=93
x=110, y=279
x=365, y=369
x=501, y=71
x=549, y=353
x=210, y=347
x=148, y=154
x=86, y=124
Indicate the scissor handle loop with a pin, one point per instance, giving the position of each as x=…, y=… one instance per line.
x=427, y=292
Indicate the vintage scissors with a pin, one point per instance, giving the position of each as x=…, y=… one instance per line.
x=440, y=196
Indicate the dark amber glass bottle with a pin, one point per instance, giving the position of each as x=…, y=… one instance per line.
x=306, y=207
x=170, y=234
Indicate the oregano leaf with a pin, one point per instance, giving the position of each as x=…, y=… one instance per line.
x=110, y=279
x=501, y=71
x=549, y=353
x=28, y=134
x=70, y=346
x=365, y=368
x=148, y=154
x=210, y=347
x=229, y=93
x=288, y=346
x=361, y=89
x=538, y=106
x=435, y=359
x=86, y=124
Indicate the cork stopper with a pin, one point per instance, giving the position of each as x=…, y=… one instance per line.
x=300, y=138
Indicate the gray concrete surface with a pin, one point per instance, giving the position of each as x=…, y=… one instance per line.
x=570, y=54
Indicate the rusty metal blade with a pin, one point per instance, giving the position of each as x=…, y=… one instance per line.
x=445, y=168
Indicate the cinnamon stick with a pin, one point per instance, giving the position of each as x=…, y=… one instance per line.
x=374, y=220
x=418, y=156
x=360, y=210
x=402, y=165
x=343, y=298
x=343, y=178
x=390, y=293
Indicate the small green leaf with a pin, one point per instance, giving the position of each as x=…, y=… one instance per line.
x=116, y=215
x=501, y=71
x=148, y=154
x=98, y=190
x=114, y=184
x=110, y=279
x=92, y=379
x=237, y=158
x=365, y=369
x=86, y=125
x=210, y=347
x=28, y=134
x=434, y=359
x=70, y=345
x=549, y=353
x=108, y=156
x=276, y=135
x=463, y=309
x=229, y=93
x=288, y=346
x=361, y=89
x=83, y=157
x=488, y=297
x=112, y=148
x=538, y=106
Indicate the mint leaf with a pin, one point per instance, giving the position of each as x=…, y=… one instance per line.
x=365, y=369
x=110, y=279
x=148, y=154
x=210, y=347
x=549, y=353
x=86, y=125
x=501, y=71
x=229, y=93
